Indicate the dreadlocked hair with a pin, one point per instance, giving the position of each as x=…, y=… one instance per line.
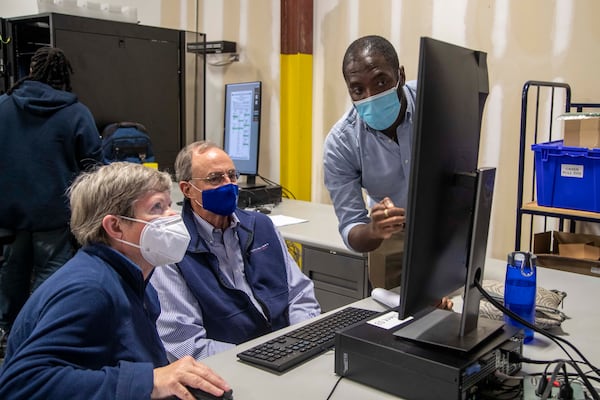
x=49, y=65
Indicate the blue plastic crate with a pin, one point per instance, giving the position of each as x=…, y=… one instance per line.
x=567, y=177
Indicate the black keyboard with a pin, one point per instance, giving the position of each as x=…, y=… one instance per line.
x=290, y=349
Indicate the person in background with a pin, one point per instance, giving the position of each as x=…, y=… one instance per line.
x=369, y=149
x=47, y=138
x=237, y=280
x=88, y=332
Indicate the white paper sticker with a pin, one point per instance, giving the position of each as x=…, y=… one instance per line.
x=282, y=220
x=388, y=320
x=571, y=171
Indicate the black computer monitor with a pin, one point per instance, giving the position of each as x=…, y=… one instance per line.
x=241, y=139
x=450, y=199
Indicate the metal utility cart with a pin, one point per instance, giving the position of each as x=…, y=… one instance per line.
x=548, y=100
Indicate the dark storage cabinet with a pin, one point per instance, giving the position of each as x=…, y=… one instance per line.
x=3, y=56
x=122, y=72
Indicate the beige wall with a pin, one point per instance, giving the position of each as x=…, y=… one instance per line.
x=532, y=40
x=147, y=11
x=254, y=26
x=525, y=40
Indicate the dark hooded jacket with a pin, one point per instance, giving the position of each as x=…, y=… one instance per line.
x=47, y=137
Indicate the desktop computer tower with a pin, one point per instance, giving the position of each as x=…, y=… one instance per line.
x=259, y=196
x=373, y=356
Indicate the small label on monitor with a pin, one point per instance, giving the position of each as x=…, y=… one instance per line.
x=571, y=171
x=388, y=320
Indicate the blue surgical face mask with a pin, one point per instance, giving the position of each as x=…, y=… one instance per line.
x=222, y=200
x=381, y=110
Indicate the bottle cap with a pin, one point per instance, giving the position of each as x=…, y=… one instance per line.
x=526, y=260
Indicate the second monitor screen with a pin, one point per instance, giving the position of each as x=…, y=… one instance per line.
x=242, y=125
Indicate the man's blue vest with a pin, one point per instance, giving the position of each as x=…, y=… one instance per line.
x=228, y=313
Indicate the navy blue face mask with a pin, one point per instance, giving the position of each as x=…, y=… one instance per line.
x=222, y=200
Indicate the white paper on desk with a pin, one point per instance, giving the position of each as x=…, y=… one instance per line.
x=282, y=220
x=386, y=297
x=388, y=320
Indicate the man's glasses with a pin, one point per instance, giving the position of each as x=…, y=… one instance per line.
x=216, y=178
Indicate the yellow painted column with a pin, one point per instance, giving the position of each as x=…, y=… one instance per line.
x=296, y=97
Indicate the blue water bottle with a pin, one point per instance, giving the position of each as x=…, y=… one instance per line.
x=520, y=289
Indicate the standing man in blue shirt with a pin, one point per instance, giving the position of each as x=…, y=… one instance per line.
x=237, y=280
x=369, y=148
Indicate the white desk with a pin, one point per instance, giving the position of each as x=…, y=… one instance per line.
x=315, y=378
x=321, y=228
x=582, y=305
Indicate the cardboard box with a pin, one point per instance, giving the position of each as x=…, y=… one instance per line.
x=582, y=251
x=385, y=263
x=546, y=247
x=581, y=129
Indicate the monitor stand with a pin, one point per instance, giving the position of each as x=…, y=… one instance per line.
x=440, y=328
x=251, y=183
x=463, y=331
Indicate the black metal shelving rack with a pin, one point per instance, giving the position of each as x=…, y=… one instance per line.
x=551, y=99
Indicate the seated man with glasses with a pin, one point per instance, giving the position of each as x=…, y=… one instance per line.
x=237, y=280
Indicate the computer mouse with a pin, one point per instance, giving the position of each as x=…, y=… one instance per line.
x=200, y=394
x=263, y=210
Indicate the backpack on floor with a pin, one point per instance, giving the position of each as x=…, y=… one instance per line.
x=127, y=141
